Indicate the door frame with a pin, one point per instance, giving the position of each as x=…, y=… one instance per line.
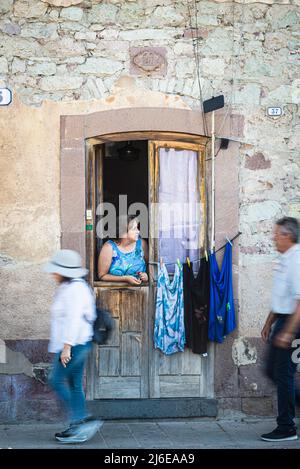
x=78, y=127
x=94, y=179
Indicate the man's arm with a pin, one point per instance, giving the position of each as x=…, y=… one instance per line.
x=267, y=327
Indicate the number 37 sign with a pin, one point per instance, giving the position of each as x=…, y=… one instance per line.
x=5, y=96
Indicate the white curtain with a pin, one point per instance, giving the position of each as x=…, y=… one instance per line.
x=179, y=206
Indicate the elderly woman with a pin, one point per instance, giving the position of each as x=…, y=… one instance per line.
x=125, y=258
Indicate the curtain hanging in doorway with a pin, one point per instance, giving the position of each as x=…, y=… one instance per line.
x=179, y=205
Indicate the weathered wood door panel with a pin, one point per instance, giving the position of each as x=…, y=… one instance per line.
x=185, y=363
x=122, y=363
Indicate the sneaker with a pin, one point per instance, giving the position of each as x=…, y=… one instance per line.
x=70, y=431
x=79, y=433
x=73, y=426
x=280, y=435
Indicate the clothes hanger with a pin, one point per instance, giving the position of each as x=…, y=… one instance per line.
x=206, y=256
x=179, y=264
x=228, y=240
x=188, y=262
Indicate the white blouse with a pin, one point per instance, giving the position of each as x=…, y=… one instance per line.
x=72, y=313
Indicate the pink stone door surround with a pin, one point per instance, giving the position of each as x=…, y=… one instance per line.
x=75, y=129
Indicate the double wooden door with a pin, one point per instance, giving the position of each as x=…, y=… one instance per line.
x=129, y=366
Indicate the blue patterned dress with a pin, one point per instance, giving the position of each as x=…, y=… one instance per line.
x=169, y=334
x=127, y=263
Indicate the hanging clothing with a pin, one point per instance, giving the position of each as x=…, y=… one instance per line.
x=221, y=306
x=127, y=263
x=196, y=306
x=169, y=335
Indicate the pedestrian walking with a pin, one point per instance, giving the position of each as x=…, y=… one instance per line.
x=72, y=314
x=283, y=326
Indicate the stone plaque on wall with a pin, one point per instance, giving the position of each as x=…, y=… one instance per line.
x=148, y=61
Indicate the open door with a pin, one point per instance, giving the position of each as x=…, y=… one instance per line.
x=177, y=175
x=129, y=367
x=118, y=369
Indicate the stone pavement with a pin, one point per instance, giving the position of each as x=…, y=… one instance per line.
x=168, y=434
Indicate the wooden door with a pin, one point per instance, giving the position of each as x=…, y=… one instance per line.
x=128, y=366
x=122, y=363
x=118, y=369
x=183, y=374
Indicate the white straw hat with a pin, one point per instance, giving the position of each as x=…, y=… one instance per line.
x=66, y=263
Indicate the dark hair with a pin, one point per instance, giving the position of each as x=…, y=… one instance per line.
x=122, y=225
x=289, y=226
x=65, y=279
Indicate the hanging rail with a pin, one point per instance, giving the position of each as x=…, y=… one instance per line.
x=198, y=260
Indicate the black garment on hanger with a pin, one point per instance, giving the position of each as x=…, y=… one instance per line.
x=196, y=306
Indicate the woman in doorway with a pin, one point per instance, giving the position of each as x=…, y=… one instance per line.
x=125, y=258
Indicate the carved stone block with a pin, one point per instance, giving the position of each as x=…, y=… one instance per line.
x=148, y=61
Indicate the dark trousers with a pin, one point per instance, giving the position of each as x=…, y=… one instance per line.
x=281, y=369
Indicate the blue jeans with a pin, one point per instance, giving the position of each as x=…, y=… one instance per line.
x=281, y=369
x=67, y=382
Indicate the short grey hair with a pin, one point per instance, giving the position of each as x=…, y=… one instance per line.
x=289, y=226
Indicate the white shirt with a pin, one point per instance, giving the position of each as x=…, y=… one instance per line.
x=73, y=302
x=286, y=282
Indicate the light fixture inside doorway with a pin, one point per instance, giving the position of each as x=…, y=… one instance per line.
x=129, y=152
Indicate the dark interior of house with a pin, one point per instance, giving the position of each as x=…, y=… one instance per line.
x=125, y=172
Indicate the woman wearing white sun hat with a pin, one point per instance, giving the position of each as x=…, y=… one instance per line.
x=72, y=314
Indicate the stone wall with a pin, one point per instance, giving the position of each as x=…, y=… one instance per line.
x=70, y=57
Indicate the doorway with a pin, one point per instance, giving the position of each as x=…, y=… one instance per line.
x=129, y=367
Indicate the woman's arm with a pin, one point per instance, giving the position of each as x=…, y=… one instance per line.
x=104, y=261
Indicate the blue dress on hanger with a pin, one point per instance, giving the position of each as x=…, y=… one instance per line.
x=169, y=334
x=221, y=310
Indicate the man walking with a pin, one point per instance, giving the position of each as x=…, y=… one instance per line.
x=285, y=315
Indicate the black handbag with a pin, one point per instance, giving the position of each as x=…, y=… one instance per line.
x=102, y=326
